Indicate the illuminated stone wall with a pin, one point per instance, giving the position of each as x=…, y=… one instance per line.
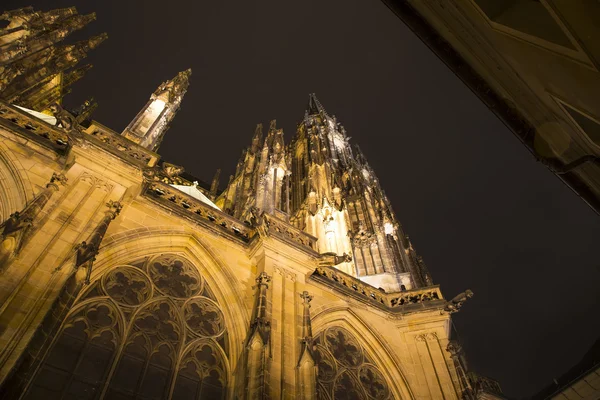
x=180, y=297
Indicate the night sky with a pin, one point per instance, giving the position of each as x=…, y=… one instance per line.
x=477, y=206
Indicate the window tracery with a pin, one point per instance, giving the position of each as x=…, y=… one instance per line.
x=149, y=330
x=345, y=371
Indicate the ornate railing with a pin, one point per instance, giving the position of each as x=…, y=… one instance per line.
x=197, y=210
x=122, y=145
x=401, y=301
x=55, y=137
x=290, y=232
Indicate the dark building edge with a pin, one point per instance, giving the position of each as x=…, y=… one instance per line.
x=589, y=362
x=509, y=116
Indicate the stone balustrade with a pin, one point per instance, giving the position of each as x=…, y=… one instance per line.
x=408, y=300
x=122, y=145
x=290, y=232
x=197, y=210
x=46, y=133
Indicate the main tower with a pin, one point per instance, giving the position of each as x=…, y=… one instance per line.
x=325, y=187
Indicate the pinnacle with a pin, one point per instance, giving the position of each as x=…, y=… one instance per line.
x=96, y=40
x=314, y=105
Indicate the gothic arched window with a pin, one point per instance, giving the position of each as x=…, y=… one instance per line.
x=344, y=370
x=151, y=330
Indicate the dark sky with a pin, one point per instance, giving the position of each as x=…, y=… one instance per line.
x=477, y=206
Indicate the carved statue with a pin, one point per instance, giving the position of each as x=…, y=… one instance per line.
x=456, y=303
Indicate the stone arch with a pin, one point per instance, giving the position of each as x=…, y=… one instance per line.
x=130, y=245
x=202, y=369
x=95, y=329
x=150, y=293
x=15, y=190
x=371, y=343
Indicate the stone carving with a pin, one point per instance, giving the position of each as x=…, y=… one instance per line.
x=204, y=317
x=174, y=276
x=457, y=302
x=332, y=259
x=86, y=251
x=64, y=119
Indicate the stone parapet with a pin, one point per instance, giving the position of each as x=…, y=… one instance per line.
x=396, y=302
x=196, y=210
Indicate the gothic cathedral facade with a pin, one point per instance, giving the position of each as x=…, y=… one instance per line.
x=123, y=278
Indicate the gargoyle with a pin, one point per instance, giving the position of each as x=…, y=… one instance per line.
x=63, y=118
x=171, y=173
x=172, y=170
x=256, y=216
x=332, y=259
x=456, y=303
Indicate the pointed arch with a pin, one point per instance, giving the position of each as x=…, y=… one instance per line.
x=371, y=342
x=154, y=337
x=202, y=372
x=82, y=352
x=15, y=189
x=124, y=247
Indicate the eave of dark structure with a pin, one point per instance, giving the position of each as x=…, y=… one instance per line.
x=511, y=117
x=589, y=362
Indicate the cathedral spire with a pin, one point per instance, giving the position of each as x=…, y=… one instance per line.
x=149, y=126
x=336, y=197
x=32, y=64
x=314, y=106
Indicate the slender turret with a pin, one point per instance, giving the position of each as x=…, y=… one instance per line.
x=260, y=177
x=149, y=126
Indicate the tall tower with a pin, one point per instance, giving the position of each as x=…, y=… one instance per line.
x=35, y=69
x=149, y=126
x=336, y=197
x=261, y=177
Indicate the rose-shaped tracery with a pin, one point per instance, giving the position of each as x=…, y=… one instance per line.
x=344, y=347
x=127, y=286
x=204, y=317
x=174, y=276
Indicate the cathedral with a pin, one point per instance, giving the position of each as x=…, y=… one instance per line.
x=123, y=277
